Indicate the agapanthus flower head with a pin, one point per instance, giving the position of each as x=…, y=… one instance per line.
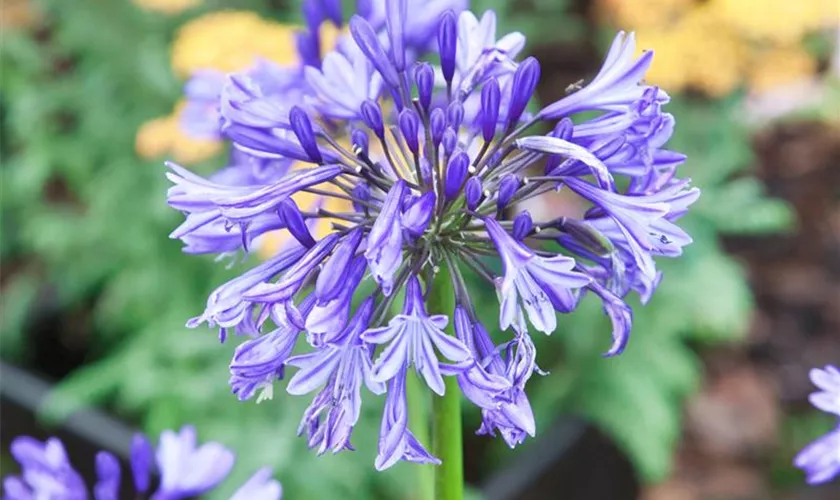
x=820, y=460
x=428, y=160
x=185, y=470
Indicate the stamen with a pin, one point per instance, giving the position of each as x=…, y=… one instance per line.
x=396, y=137
x=473, y=262
x=333, y=194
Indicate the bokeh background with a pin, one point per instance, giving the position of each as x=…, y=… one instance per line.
x=709, y=400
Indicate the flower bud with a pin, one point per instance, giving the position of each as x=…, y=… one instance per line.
x=473, y=193
x=491, y=97
x=507, y=188
x=447, y=42
x=456, y=172
x=302, y=128
x=424, y=77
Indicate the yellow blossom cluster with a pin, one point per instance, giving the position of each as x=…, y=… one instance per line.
x=17, y=14
x=231, y=41
x=167, y=6
x=715, y=46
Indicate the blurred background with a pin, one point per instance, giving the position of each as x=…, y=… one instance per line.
x=708, y=402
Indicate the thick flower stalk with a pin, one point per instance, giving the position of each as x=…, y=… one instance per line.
x=820, y=460
x=436, y=157
x=185, y=469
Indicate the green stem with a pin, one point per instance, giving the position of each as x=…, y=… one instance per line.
x=418, y=420
x=446, y=410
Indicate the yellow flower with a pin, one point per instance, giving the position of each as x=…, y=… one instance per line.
x=328, y=36
x=163, y=137
x=782, y=21
x=17, y=14
x=697, y=51
x=781, y=66
x=716, y=45
x=231, y=41
x=167, y=6
x=639, y=14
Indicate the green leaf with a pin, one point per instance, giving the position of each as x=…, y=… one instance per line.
x=744, y=197
x=719, y=299
x=16, y=303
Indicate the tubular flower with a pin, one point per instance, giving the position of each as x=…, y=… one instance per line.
x=426, y=182
x=186, y=470
x=820, y=460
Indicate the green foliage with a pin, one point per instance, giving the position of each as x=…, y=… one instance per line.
x=540, y=20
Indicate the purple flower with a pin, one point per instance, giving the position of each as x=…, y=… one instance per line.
x=200, y=117
x=228, y=306
x=479, y=383
x=820, y=460
x=437, y=188
x=537, y=284
x=828, y=380
x=340, y=366
x=410, y=337
x=46, y=471
x=108, y=473
x=342, y=85
x=258, y=362
x=384, y=251
x=278, y=296
x=369, y=45
x=479, y=53
x=620, y=315
x=616, y=86
x=186, y=470
x=329, y=316
x=239, y=204
x=207, y=110
x=421, y=21
x=396, y=442
x=141, y=459
x=513, y=418
x=261, y=486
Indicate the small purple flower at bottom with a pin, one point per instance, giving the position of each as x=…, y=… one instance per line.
x=46, y=471
x=820, y=460
x=828, y=380
x=185, y=469
x=261, y=486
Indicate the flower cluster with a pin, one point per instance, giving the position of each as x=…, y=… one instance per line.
x=185, y=471
x=424, y=162
x=821, y=459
